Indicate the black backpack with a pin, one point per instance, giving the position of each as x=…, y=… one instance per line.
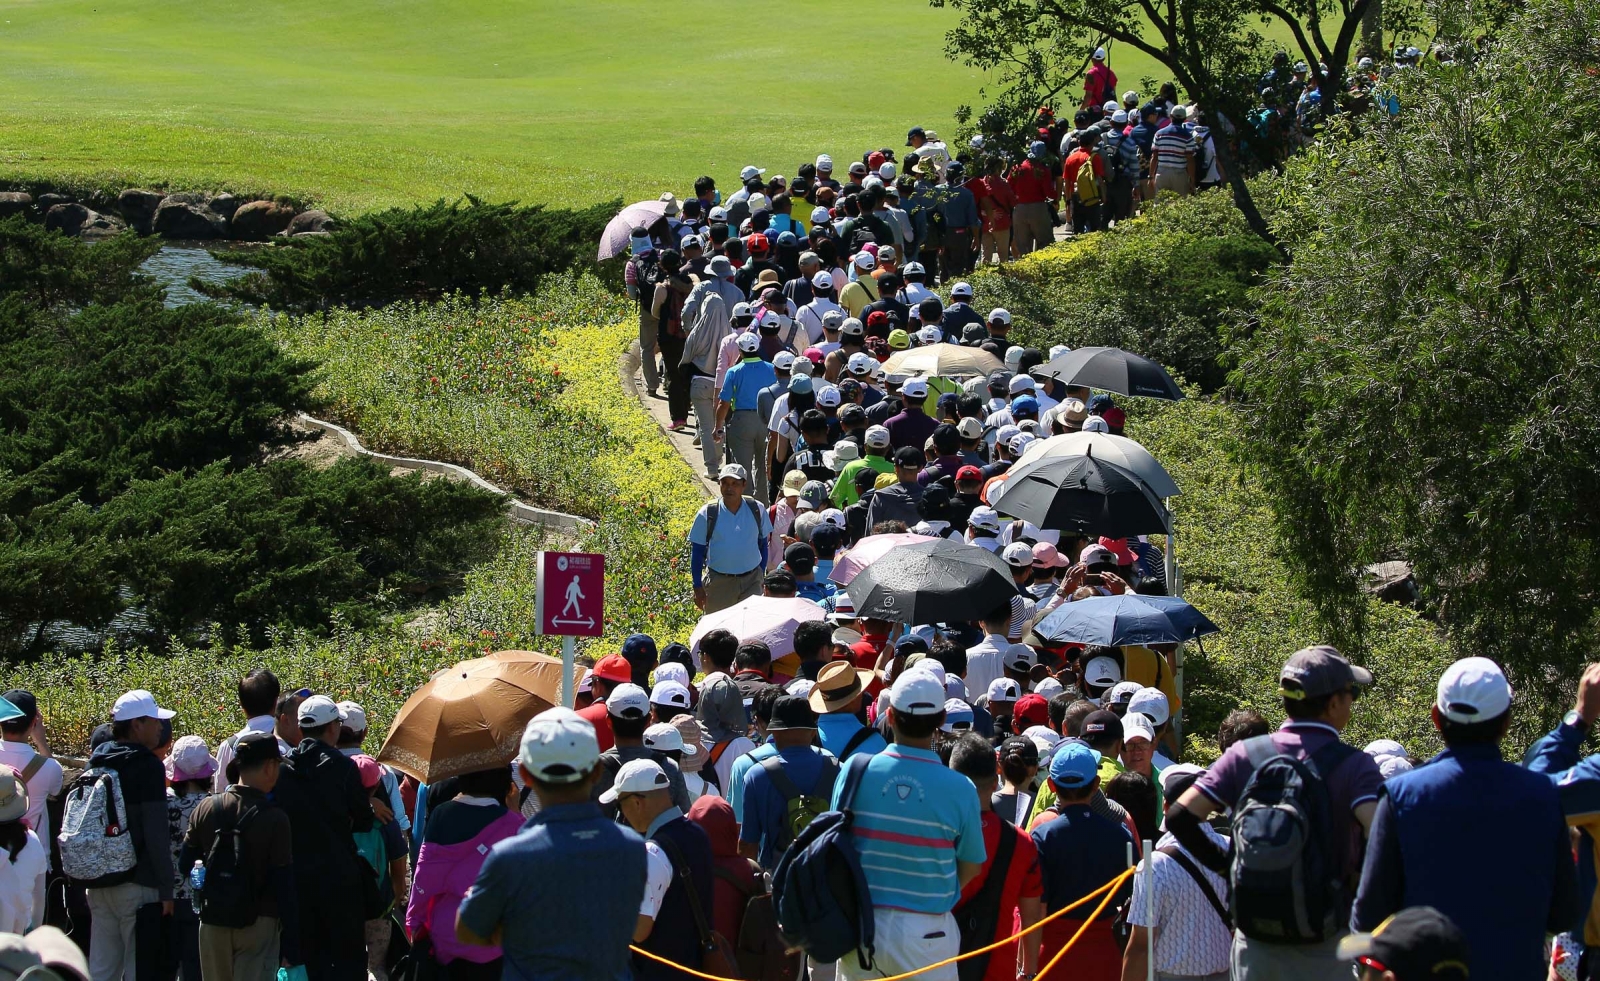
x=979, y=916
x=1284, y=876
x=230, y=893
x=1202, y=162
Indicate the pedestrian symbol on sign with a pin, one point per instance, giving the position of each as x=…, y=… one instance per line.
x=573, y=609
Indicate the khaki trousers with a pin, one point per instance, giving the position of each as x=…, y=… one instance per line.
x=243, y=954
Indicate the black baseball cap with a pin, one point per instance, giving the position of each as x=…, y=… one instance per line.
x=792, y=712
x=1101, y=724
x=909, y=456
x=800, y=557
x=915, y=131
x=1417, y=944
x=255, y=747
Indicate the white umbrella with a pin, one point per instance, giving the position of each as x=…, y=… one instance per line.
x=1118, y=450
x=943, y=360
x=768, y=619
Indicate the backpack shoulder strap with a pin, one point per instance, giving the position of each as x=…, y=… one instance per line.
x=856, y=742
x=34, y=766
x=1260, y=749
x=1200, y=880
x=712, y=510
x=718, y=749
x=680, y=868
x=827, y=778
x=754, y=507
x=744, y=888
x=773, y=765
x=853, y=772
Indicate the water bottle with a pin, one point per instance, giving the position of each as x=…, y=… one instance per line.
x=197, y=881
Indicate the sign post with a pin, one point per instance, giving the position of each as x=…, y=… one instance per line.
x=569, y=603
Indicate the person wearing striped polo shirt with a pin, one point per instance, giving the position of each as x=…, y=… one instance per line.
x=1172, y=155
x=920, y=837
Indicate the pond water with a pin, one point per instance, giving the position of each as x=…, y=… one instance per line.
x=177, y=261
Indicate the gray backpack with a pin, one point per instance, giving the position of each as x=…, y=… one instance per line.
x=96, y=843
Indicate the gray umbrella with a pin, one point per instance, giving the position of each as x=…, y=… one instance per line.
x=1111, y=369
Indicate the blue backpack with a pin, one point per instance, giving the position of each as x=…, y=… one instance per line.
x=819, y=890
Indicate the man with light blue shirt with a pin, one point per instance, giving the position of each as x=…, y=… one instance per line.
x=918, y=832
x=728, y=544
x=836, y=697
x=739, y=424
x=760, y=714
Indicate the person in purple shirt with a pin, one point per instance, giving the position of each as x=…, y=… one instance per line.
x=1318, y=687
x=947, y=459
x=913, y=425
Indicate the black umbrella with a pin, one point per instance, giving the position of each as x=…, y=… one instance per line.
x=1111, y=369
x=1086, y=495
x=932, y=582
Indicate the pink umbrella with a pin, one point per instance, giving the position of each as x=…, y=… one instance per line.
x=619, y=230
x=867, y=551
x=765, y=618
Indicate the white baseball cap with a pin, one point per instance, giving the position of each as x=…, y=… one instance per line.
x=1018, y=554
x=828, y=396
x=1019, y=443
x=1014, y=358
x=1047, y=688
x=750, y=172
x=628, y=701
x=1152, y=704
x=1019, y=656
x=559, y=746
x=1001, y=314
x=665, y=737
x=824, y=163
x=353, y=716
x=984, y=518
x=1095, y=424
x=140, y=704
x=872, y=182
x=749, y=343
x=783, y=360
x=822, y=281
x=733, y=470
x=770, y=319
x=930, y=334
x=670, y=693
x=916, y=388
x=860, y=363
x=886, y=170
x=718, y=215
x=672, y=671
x=820, y=216
x=1045, y=738
x=929, y=666
x=833, y=516
x=1021, y=383
x=1473, y=689
x=877, y=437
x=1110, y=106
x=1004, y=690
x=1120, y=116
x=318, y=710
x=961, y=289
x=1102, y=672
x=864, y=260
x=918, y=691
x=1099, y=54
x=742, y=309
x=1122, y=691
x=1379, y=748
x=637, y=777
x=1136, y=726
x=914, y=269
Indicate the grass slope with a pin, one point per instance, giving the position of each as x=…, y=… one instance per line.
x=366, y=103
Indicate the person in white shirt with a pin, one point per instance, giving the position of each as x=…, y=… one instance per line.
x=983, y=528
x=26, y=750
x=915, y=291
x=22, y=859
x=986, y=659
x=822, y=304
x=258, y=699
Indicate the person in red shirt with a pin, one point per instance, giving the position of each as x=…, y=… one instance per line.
x=1100, y=84
x=1034, y=183
x=1016, y=900
x=613, y=670
x=995, y=205
x=736, y=879
x=1085, y=212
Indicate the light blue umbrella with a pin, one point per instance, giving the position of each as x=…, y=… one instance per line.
x=1190, y=622
x=1109, y=621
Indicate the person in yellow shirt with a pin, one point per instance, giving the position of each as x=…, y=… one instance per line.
x=862, y=290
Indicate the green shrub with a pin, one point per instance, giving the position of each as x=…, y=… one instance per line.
x=420, y=254
x=1168, y=285
x=47, y=269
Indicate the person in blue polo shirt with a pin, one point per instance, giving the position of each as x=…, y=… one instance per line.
x=728, y=544
x=766, y=823
x=1428, y=819
x=836, y=698
x=920, y=838
x=523, y=899
x=739, y=424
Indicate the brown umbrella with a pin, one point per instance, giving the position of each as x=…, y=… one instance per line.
x=471, y=716
x=945, y=360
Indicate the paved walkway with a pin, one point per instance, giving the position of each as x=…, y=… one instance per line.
x=633, y=383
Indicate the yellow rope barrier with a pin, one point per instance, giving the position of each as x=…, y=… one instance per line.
x=1108, y=889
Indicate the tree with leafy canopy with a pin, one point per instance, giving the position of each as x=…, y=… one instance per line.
x=1038, y=49
x=1422, y=383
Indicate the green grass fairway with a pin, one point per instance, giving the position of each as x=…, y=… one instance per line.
x=365, y=103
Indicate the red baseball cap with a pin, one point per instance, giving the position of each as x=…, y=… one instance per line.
x=968, y=472
x=1119, y=548
x=877, y=318
x=756, y=242
x=1114, y=417
x=613, y=667
x=1030, y=710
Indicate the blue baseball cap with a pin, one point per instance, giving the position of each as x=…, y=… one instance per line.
x=1074, y=765
x=1025, y=403
x=1037, y=150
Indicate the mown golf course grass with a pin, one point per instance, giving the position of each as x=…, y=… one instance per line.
x=366, y=103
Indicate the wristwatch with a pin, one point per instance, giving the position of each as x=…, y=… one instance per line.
x=1574, y=720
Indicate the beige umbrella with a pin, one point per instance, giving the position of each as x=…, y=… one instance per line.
x=944, y=360
x=471, y=716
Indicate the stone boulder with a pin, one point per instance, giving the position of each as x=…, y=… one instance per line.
x=187, y=220
x=138, y=206
x=48, y=201
x=224, y=205
x=68, y=219
x=15, y=203
x=258, y=221
x=102, y=227
x=309, y=222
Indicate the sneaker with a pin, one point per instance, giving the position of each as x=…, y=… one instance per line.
x=696, y=440
x=679, y=425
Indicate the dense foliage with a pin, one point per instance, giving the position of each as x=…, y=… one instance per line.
x=421, y=254
x=130, y=438
x=1423, y=383
x=1170, y=285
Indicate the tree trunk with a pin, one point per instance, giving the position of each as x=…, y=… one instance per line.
x=1372, y=29
x=1242, y=198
